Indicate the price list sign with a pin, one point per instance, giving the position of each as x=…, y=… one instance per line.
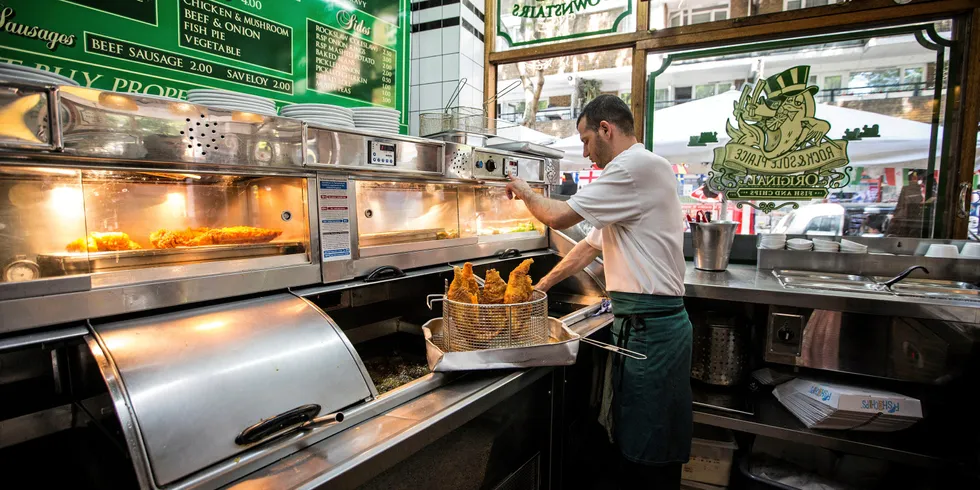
x=352, y=53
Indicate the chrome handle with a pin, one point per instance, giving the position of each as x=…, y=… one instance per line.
x=612, y=348
x=298, y=418
x=432, y=298
x=964, y=209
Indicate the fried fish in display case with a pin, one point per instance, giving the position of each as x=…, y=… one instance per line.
x=487, y=213
x=396, y=215
x=60, y=221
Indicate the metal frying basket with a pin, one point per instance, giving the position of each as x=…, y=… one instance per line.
x=469, y=327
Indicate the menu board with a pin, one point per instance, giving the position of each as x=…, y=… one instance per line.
x=351, y=53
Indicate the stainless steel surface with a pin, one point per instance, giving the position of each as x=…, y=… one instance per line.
x=352, y=457
x=27, y=115
x=525, y=147
x=44, y=287
x=35, y=425
x=720, y=351
x=400, y=248
x=871, y=264
x=195, y=379
x=7, y=343
x=773, y=420
x=102, y=124
x=712, y=244
x=882, y=346
x=562, y=242
x=469, y=327
x=896, y=286
x=469, y=162
x=349, y=150
x=69, y=263
x=25, y=313
x=745, y=283
x=345, y=270
x=560, y=349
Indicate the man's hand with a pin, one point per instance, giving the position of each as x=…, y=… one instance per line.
x=518, y=188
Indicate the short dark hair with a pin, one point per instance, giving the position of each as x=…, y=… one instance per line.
x=609, y=108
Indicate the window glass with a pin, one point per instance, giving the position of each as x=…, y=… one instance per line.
x=876, y=99
x=675, y=13
x=546, y=113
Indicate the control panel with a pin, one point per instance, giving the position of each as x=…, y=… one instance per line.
x=487, y=165
x=381, y=153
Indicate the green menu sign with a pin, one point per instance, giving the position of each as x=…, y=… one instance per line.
x=345, y=52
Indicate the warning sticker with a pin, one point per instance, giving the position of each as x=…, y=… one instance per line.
x=334, y=207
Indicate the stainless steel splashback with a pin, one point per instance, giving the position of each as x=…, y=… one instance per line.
x=469, y=162
x=185, y=384
x=373, y=152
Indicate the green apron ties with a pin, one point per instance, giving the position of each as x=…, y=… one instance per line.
x=653, y=418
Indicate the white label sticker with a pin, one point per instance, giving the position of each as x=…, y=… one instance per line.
x=334, y=219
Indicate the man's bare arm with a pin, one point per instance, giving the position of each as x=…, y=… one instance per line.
x=579, y=258
x=555, y=214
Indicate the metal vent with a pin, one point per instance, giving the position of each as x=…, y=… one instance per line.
x=527, y=477
x=459, y=164
x=201, y=135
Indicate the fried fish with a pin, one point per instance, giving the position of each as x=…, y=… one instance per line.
x=519, y=287
x=493, y=289
x=462, y=290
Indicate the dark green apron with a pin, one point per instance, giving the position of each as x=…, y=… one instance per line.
x=652, y=413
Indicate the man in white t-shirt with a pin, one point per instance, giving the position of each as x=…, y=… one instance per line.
x=639, y=230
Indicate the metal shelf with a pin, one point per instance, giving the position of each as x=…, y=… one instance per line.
x=922, y=445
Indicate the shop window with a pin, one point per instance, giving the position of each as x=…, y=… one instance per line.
x=887, y=181
x=551, y=93
x=665, y=14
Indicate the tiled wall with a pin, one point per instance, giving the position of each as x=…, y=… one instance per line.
x=447, y=46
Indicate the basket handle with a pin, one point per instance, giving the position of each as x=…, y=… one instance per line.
x=432, y=298
x=612, y=348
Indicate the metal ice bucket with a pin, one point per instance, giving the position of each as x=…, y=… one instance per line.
x=713, y=244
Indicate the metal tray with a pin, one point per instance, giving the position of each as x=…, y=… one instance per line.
x=524, y=147
x=62, y=263
x=561, y=350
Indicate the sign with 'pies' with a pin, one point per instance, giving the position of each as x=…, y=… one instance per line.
x=349, y=53
x=779, y=148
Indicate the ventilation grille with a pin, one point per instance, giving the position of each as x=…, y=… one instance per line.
x=460, y=163
x=527, y=477
x=201, y=135
x=551, y=172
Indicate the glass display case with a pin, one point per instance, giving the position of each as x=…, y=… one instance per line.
x=401, y=213
x=487, y=213
x=127, y=226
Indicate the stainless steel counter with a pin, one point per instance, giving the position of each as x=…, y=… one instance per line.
x=357, y=454
x=745, y=283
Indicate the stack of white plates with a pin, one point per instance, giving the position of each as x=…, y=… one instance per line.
x=799, y=244
x=326, y=114
x=377, y=119
x=772, y=242
x=26, y=74
x=850, y=247
x=825, y=245
x=822, y=405
x=232, y=101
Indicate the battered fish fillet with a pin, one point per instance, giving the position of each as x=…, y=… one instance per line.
x=103, y=242
x=459, y=289
x=242, y=234
x=190, y=237
x=493, y=289
x=195, y=237
x=519, y=285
